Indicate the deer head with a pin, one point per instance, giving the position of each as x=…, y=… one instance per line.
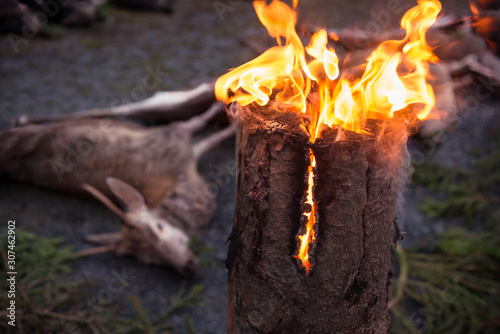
x=144, y=233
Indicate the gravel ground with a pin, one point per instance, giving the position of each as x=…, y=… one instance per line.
x=101, y=66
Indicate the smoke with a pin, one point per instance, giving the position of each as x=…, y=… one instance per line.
x=405, y=178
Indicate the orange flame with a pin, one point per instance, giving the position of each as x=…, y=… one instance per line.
x=309, y=235
x=394, y=78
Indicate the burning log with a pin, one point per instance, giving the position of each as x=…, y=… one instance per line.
x=455, y=44
x=487, y=24
x=356, y=183
x=321, y=155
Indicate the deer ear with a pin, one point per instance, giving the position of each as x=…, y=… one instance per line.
x=127, y=194
x=104, y=200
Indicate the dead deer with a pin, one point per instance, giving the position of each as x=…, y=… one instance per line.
x=151, y=171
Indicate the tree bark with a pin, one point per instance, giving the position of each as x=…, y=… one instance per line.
x=356, y=184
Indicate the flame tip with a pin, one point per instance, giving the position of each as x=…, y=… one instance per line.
x=308, y=81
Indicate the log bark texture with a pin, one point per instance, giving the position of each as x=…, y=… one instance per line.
x=356, y=185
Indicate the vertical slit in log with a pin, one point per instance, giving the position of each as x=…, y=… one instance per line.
x=306, y=237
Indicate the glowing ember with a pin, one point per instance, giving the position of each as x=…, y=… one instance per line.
x=308, y=236
x=286, y=75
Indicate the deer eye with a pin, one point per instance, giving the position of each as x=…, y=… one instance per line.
x=160, y=227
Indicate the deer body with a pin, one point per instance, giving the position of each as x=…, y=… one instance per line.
x=62, y=156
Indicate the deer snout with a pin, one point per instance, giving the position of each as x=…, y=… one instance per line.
x=174, y=248
x=190, y=269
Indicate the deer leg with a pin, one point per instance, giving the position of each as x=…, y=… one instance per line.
x=205, y=145
x=104, y=239
x=197, y=123
x=162, y=107
x=97, y=250
x=107, y=243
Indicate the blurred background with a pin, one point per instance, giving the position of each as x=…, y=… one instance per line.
x=446, y=268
